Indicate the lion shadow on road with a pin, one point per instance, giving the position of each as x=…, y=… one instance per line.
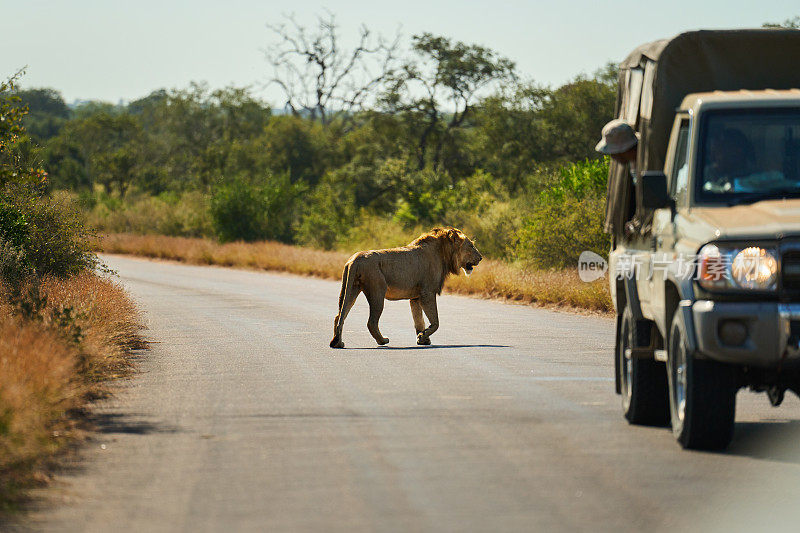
x=438, y=346
x=773, y=440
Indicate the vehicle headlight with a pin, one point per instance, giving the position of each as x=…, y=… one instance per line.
x=755, y=268
x=724, y=267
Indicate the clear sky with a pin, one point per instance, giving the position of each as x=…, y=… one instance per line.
x=113, y=49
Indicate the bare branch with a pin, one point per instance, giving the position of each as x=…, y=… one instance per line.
x=318, y=76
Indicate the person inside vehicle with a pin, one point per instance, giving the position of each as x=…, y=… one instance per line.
x=730, y=156
x=620, y=142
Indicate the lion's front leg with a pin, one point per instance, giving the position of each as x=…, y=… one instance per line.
x=428, y=304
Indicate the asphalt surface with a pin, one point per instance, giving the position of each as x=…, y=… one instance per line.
x=241, y=418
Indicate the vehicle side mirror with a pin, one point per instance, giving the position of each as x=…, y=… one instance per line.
x=654, y=190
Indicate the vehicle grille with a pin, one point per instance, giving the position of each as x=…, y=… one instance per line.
x=790, y=271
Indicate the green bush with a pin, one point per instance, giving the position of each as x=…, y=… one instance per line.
x=347, y=195
x=13, y=225
x=567, y=218
x=579, y=179
x=39, y=235
x=330, y=213
x=56, y=240
x=243, y=210
x=433, y=198
x=15, y=268
x=557, y=232
x=495, y=228
x=177, y=215
x=374, y=232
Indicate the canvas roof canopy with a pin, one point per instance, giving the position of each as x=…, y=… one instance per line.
x=655, y=77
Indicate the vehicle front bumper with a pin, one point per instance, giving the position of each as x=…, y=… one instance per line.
x=772, y=332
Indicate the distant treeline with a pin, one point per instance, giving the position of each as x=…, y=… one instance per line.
x=450, y=136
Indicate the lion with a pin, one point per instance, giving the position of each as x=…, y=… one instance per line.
x=414, y=272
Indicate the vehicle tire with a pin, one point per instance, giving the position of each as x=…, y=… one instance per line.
x=643, y=382
x=702, y=395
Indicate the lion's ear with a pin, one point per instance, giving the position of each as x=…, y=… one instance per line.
x=456, y=236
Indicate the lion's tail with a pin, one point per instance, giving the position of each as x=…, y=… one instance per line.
x=347, y=283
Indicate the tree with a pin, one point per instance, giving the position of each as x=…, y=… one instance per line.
x=94, y=107
x=148, y=104
x=438, y=88
x=192, y=135
x=47, y=112
x=64, y=157
x=792, y=23
x=18, y=161
x=575, y=113
x=321, y=79
x=109, y=150
x=295, y=146
x=511, y=138
x=526, y=125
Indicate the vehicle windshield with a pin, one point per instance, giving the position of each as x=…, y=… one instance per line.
x=749, y=156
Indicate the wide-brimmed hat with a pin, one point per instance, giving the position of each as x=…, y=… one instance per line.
x=617, y=137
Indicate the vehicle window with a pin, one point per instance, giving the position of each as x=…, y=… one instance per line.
x=748, y=156
x=634, y=95
x=680, y=170
x=646, y=107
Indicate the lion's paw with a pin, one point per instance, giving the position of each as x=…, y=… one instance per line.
x=423, y=341
x=383, y=341
x=337, y=343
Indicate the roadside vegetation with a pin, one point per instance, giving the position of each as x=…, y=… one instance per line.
x=368, y=146
x=64, y=330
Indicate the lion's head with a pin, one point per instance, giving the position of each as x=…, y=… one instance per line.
x=466, y=255
x=458, y=251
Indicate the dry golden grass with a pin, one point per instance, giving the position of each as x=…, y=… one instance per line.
x=50, y=367
x=494, y=279
x=260, y=255
x=558, y=288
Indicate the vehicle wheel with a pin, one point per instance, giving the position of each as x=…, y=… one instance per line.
x=702, y=395
x=643, y=382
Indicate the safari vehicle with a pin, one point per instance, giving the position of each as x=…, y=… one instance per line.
x=705, y=255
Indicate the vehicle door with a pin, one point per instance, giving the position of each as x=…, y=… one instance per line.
x=664, y=255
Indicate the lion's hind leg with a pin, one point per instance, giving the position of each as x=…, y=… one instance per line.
x=347, y=297
x=376, y=293
x=338, y=322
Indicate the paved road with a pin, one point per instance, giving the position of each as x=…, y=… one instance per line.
x=242, y=419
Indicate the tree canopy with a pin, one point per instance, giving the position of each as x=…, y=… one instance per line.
x=446, y=132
